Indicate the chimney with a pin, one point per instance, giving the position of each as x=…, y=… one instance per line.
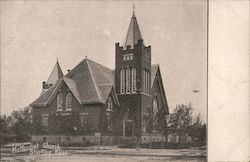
x=44, y=86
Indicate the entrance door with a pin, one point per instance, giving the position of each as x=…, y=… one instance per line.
x=129, y=128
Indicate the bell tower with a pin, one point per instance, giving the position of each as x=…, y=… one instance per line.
x=133, y=73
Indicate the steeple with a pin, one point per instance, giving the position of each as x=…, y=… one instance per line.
x=133, y=73
x=55, y=74
x=133, y=10
x=133, y=34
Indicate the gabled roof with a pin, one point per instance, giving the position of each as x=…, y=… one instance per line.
x=105, y=90
x=89, y=82
x=154, y=69
x=133, y=34
x=156, y=76
x=101, y=74
x=108, y=90
x=82, y=74
x=73, y=88
x=55, y=74
x=43, y=99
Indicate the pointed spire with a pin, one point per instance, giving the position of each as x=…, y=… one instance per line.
x=55, y=74
x=133, y=9
x=134, y=33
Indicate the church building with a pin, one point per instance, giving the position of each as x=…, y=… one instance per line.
x=92, y=100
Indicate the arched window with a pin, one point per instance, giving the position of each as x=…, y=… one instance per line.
x=59, y=101
x=155, y=106
x=68, y=101
x=155, y=112
x=122, y=77
x=133, y=80
x=109, y=104
x=128, y=81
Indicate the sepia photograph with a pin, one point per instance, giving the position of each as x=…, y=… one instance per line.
x=104, y=80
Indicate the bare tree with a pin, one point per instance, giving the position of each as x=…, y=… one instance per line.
x=181, y=117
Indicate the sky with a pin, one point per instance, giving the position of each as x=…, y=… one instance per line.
x=35, y=33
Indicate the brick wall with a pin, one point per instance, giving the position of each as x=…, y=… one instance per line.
x=96, y=115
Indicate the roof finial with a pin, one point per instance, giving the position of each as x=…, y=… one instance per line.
x=56, y=59
x=86, y=56
x=133, y=8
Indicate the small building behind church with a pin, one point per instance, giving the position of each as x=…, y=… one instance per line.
x=92, y=100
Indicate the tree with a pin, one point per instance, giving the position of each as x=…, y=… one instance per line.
x=161, y=116
x=181, y=117
x=159, y=119
x=22, y=121
x=199, y=129
x=17, y=126
x=198, y=121
x=5, y=122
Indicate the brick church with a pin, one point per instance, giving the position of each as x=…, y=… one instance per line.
x=93, y=100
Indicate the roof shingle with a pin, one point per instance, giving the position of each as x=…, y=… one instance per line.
x=55, y=74
x=89, y=82
x=42, y=100
x=154, y=69
x=133, y=34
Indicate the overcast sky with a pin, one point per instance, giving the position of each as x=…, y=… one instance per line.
x=35, y=33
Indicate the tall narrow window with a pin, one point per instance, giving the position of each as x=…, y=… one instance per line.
x=84, y=120
x=122, y=77
x=148, y=82
x=133, y=80
x=109, y=104
x=144, y=81
x=109, y=121
x=128, y=81
x=68, y=101
x=45, y=119
x=59, y=102
x=155, y=112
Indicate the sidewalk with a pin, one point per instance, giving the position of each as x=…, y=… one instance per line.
x=113, y=150
x=110, y=153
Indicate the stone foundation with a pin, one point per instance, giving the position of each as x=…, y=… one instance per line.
x=75, y=140
x=92, y=140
